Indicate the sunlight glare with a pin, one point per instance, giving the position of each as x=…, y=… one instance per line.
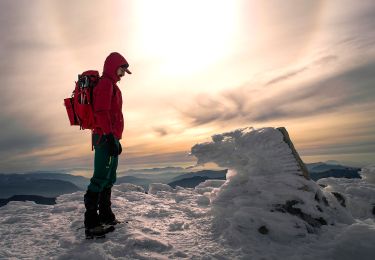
x=186, y=36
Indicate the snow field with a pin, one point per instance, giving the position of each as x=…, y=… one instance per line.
x=162, y=225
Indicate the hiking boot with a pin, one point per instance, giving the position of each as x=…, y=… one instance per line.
x=106, y=215
x=96, y=232
x=93, y=228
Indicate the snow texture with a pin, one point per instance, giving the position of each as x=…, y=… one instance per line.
x=264, y=210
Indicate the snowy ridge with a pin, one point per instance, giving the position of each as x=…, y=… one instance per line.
x=266, y=209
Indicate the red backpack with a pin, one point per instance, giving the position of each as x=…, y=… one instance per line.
x=79, y=106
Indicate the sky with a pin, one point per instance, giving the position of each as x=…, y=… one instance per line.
x=199, y=68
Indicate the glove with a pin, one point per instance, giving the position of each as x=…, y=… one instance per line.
x=112, y=147
x=119, y=148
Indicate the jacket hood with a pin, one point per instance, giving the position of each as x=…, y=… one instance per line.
x=112, y=63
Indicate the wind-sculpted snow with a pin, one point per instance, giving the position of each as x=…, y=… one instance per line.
x=266, y=196
x=368, y=174
x=266, y=209
x=263, y=181
x=356, y=195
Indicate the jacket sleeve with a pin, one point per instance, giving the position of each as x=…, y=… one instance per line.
x=102, y=105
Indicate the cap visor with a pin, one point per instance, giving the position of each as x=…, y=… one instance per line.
x=128, y=71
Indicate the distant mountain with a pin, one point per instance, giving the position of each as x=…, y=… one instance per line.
x=332, y=162
x=154, y=177
x=209, y=174
x=26, y=184
x=336, y=173
x=35, y=198
x=153, y=170
x=189, y=179
x=79, y=181
x=323, y=170
x=321, y=167
x=160, y=177
x=191, y=182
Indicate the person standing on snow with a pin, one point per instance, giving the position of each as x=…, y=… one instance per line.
x=109, y=125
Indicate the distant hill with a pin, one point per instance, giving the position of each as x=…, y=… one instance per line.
x=323, y=170
x=79, y=181
x=191, y=182
x=24, y=184
x=161, y=177
x=183, y=179
x=336, y=173
x=321, y=167
x=154, y=170
x=35, y=198
x=209, y=174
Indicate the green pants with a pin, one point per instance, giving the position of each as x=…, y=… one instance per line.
x=105, y=166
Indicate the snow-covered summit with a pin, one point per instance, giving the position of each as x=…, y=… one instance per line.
x=266, y=209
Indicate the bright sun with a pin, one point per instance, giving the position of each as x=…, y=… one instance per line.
x=185, y=36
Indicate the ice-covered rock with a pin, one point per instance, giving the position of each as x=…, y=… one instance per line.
x=267, y=191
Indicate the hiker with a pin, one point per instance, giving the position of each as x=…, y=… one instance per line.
x=109, y=125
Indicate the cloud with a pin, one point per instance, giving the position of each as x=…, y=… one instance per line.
x=161, y=131
x=360, y=25
x=351, y=87
x=326, y=60
x=320, y=62
x=30, y=85
x=16, y=136
x=164, y=130
x=153, y=159
x=286, y=76
x=17, y=141
x=341, y=148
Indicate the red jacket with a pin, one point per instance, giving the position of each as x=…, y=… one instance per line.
x=107, y=98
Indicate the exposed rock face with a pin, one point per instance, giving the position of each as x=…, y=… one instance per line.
x=263, y=230
x=265, y=175
x=340, y=198
x=298, y=159
x=288, y=207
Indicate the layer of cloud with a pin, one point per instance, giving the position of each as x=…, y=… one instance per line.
x=354, y=86
x=39, y=42
x=161, y=131
x=154, y=159
x=17, y=138
x=290, y=74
